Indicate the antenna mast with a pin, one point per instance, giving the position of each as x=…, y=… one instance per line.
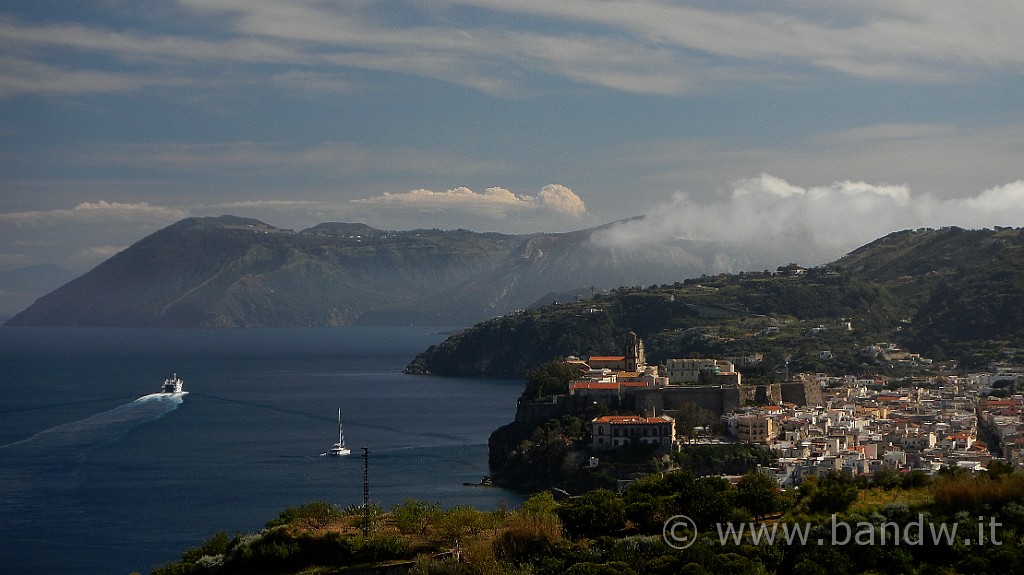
x=366, y=492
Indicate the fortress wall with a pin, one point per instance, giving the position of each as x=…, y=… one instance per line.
x=802, y=393
x=716, y=399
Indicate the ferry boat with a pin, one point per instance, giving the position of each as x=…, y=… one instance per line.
x=339, y=448
x=173, y=384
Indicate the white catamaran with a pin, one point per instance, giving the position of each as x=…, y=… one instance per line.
x=339, y=448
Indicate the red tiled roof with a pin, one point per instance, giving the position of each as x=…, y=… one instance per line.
x=606, y=384
x=630, y=420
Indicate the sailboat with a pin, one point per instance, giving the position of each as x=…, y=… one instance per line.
x=339, y=448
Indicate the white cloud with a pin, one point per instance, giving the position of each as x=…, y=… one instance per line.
x=924, y=40
x=643, y=47
x=11, y=261
x=942, y=159
x=81, y=236
x=561, y=200
x=99, y=212
x=20, y=76
x=816, y=224
x=271, y=204
x=494, y=202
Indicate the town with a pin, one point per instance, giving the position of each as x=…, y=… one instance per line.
x=812, y=423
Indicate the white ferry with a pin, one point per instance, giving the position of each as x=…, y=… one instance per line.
x=173, y=384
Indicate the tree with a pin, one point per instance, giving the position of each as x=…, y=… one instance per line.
x=834, y=493
x=540, y=504
x=709, y=502
x=551, y=378
x=314, y=515
x=598, y=512
x=414, y=516
x=759, y=494
x=887, y=478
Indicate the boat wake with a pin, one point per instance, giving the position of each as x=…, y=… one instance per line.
x=78, y=437
x=39, y=475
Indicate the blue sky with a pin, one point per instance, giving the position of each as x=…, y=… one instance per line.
x=817, y=123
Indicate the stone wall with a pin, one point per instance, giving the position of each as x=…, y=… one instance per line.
x=716, y=399
x=802, y=393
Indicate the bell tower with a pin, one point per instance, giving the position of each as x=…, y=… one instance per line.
x=635, y=360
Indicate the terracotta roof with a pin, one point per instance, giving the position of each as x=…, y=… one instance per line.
x=1001, y=402
x=606, y=384
x=632, y=420
x=607, y=358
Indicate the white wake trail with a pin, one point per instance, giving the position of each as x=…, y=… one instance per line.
x=79, y=436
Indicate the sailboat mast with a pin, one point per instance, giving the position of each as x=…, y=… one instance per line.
x=341, y=437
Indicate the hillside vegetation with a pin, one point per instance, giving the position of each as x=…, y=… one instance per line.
x=955, y=523
x=948, y=294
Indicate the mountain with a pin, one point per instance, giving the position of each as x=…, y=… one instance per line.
x=237, y=272
x=950, y=294
x=569, y=265
x=966, y=287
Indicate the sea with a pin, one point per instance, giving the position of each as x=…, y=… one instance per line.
x=101, y=474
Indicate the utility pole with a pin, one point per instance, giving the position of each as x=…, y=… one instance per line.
x=366, y=492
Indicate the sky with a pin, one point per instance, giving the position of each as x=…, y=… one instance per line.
x=803, y=123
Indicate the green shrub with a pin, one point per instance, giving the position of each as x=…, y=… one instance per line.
x=975, y=493
x=529, y=535
x=832, y=493
x=216, y=545
x=315, y=515
x=414, y=516
x=598, y=512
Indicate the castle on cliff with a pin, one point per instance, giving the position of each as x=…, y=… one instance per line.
x=628, y=384
x=711, y=384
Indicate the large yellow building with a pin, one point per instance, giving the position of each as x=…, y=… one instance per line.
x=756, y=428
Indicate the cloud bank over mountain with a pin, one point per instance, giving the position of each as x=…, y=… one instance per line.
x=814, y=224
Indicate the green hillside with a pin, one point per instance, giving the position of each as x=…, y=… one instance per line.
x=950, y=294
x=663, y=524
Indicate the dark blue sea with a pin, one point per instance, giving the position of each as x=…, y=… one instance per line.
x=99, y=475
